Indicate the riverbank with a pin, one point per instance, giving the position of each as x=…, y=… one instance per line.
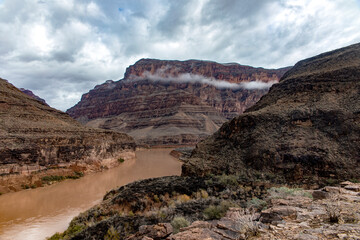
x=21, y=177
x=39, y=213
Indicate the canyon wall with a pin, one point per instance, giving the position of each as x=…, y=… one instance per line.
x=305, y=130
x=35, y=137
x=174, y=102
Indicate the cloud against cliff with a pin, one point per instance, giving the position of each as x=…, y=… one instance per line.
x=161, y=76
x=60, y=49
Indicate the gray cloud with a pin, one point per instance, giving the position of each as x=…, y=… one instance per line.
x=61, y=49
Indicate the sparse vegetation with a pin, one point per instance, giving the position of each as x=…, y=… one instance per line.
x=283, y=192
x=56, y=178
x=156, y=198
x=179, y=222
x=247, y=222
x=217, y=212
x=257, y=204
x=183, y=198
x=333, y=210
x=72, y=230
x=354, y=180
x=331, y=181
x=228, y=180
x=112, y=234
x=121, y=160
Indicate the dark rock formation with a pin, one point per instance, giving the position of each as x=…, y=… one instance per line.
x=34, y=136
x=168, y=102
x=123, y=211
x=307, y=128
x=31, y=94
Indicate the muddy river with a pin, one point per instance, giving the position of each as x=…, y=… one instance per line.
x=39, y=213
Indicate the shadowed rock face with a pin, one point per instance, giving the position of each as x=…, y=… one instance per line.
x=307, y=128
x=31, y=94
x=34, y=136
x=166, y=102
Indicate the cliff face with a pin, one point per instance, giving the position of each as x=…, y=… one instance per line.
x=173, y=102
x=306, y=128
x=31, y=94
x=34, y=136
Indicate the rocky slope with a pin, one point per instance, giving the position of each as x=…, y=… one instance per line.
x=307, y=128
x=173, y=102
x=31, y=94
x=217, y=208
x=36, y=139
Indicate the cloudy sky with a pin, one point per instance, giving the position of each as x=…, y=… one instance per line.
x=61, y=49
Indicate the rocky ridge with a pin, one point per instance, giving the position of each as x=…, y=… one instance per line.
x=31, y=94
x=306, y=128
x=173, y=102
x=37, y=140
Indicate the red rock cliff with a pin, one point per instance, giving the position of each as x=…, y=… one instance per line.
x=173, y=102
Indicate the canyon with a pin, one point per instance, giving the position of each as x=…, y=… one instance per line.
x=304, y=133
x=163, y=102
x=37, y=141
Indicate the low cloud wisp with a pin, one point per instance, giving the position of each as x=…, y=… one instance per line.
x=161, y=76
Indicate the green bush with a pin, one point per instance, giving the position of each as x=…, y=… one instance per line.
x=56, y=236
x=217, y=212
x=112, y=234
x=121, y=160
x=179, y=222
x=52, y=178
x=354, y=180
x=256, y=204
x=228, y=180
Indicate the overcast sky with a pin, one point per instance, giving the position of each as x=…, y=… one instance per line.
x=61, y=49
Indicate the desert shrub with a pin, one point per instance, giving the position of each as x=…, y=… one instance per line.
x=73, y=229
x=121, y=160
x=112, y=234
x=56, y=236
x=1, y=193
x=52, y=178
x=246, y=222
x=333, y=210
x=331, y=181
x=217, y=212
x=156, y=198
x=283, y=192
x=354, y=180
x=256, y=203
x=201, y=194
x=183, y=198
x=228, y=180
x=179, y=222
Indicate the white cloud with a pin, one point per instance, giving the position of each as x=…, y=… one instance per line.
x=161, y=76
x=66, y=47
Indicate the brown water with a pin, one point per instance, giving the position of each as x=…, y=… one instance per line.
x=39, y=213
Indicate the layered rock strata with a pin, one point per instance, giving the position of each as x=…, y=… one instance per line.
x=31, y=94
x=35, y=138
x=173, y=102
x=306, y=128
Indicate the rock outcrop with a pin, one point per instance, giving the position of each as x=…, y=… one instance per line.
x=31, y=94
x=35, y=138
x=174, y=102
x=307, y=128
x=130, y=211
